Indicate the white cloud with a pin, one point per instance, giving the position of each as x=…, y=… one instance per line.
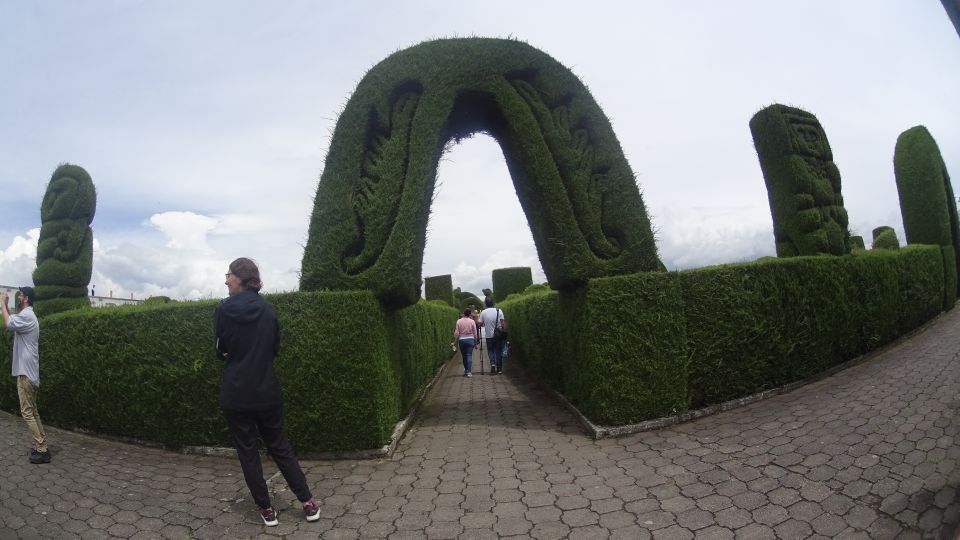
x=19, y=260
x=184, y=230
x=703, y=236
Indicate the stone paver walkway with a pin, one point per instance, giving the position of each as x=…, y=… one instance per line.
x=870, y=452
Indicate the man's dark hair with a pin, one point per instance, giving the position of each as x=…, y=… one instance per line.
x=27, y=292
x=249, y=274
x=488, y=301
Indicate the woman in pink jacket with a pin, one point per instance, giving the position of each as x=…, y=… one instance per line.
x=466, y=333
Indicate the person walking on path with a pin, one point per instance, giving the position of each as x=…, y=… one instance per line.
x=25, y=366
x=466, y=333
x=247, y=339
x=493, y=319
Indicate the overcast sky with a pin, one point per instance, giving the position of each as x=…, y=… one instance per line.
x=205, y=124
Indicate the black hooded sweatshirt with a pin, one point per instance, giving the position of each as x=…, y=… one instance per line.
x=247, y=338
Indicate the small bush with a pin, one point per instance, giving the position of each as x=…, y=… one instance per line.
x=885, y=238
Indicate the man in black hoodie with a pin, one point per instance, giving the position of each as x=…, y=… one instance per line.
x=247, y=339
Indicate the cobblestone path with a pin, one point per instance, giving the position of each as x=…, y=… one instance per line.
x=870, y=452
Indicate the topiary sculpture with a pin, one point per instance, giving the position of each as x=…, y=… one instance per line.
x=368, y=227
x=439, y=288
x=885, y=237
x=507, y=281
x=803, y=183
x=927, y=203
x=65, y=247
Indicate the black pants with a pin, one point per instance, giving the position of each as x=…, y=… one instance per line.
x=244, y=426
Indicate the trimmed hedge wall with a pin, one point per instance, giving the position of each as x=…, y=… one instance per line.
x=368, y=227
x=349, y=369
x=632, y=348
x=439, y=288
x=65, y=246
x=803, y=183
x=507, y=281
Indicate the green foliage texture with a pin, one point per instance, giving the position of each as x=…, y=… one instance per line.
x=803, y=183
x=439, y=288
x=368, y=227
x=466, y=298
x=631, y=348
x=65, y=246
x=884, y=237
x=507, y=281
x=927, y=202
x=348, y=368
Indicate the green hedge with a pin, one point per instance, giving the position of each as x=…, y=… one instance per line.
x=637, y=347
x=507, y=281
x=368, y=227
x=439, y=288
x=348, y=368
x=803, y=183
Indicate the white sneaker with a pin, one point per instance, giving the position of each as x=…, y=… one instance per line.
x=269, y=517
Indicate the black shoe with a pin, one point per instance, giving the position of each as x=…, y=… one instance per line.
x=39, y=457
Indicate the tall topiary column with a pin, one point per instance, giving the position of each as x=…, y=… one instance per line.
x=507, y=281
x=65, y=248
x=439, y=288
x=803, y=183
x=927, y=203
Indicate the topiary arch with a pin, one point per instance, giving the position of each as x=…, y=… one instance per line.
x=368, y=227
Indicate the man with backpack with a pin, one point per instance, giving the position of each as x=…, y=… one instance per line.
x=494, y=328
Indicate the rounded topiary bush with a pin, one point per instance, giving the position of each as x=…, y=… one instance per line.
x=885, y=237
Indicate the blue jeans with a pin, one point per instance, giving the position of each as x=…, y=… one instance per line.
x=495, y=352
x=466, y=351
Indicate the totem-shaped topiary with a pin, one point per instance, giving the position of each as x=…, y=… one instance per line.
x=856, y=243
x=65, y=247
x=927, y=203
x=803, y=183
x=507, y=281
x=368, y=227
x=885, y=237
x=439, y=288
